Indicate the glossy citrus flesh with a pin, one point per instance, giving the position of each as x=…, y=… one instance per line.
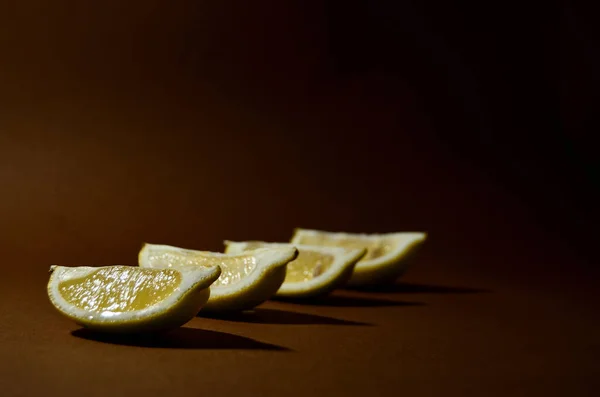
x=308, y=264
x=233, y=269
x=119, y=289
x=375, y=248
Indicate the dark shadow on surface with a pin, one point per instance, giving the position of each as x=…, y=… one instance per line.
x=410, y=288
x=349, y=301
x=274, y=316
x=180, y=338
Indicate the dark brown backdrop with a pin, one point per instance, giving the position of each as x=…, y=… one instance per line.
x=156, y=120
x=192, y=122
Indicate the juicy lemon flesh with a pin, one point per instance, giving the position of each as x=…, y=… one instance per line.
x=375, y=248
x=118, y=289
x=233, y=269
x=308, y=264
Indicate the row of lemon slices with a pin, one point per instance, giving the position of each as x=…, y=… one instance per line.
x=171, y=285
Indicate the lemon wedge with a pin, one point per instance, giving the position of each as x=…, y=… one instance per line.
x=247, y=279
x=388, y=255
x=130, y=299
x=316, y=271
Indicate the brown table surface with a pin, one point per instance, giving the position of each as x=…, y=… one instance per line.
x=493, y=306
x=440, y=332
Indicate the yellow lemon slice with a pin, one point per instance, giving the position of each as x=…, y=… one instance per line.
x=388, y=255
x=247, y=279
x=130, y=299
x=316, y=271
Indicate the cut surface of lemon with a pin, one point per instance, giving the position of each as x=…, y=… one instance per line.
x=247, y=279
x=316, y=271
x=387, y=258
x=130, y=299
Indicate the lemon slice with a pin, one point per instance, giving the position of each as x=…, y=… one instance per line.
x=130, y=299
x=247, y=279
x=316, y=271
x=388, y=255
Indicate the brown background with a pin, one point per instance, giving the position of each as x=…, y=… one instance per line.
x=195, y=122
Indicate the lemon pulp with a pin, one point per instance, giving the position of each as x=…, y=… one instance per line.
x=118, y=289
x=232, y=269
x=375, y=248
x=308, y=264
